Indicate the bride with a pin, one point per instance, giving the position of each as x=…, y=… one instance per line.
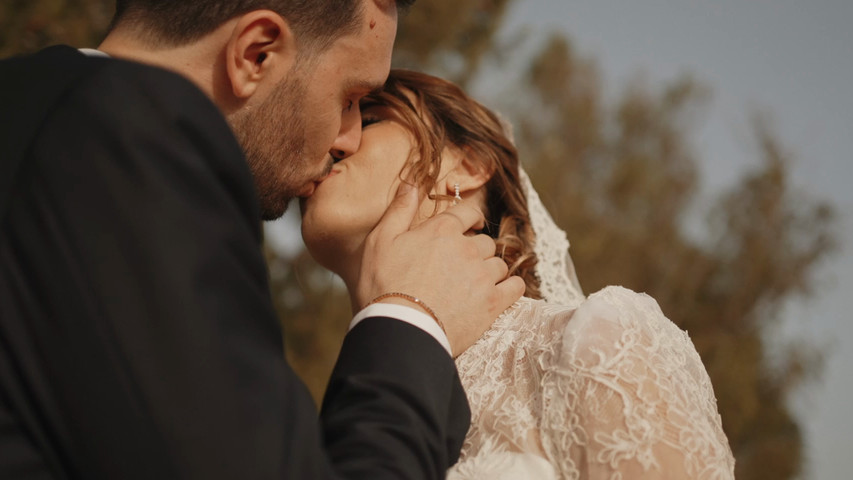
x=561, y=386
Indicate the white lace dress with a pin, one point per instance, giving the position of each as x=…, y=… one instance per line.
x=609, y=390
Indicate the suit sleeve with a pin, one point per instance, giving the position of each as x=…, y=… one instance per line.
x=426, y=397
x=148, y=346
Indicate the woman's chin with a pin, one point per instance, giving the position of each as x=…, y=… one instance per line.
x=332, y=249
x=334, y=236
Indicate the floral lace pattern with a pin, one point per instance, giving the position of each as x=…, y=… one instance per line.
x=611, y=390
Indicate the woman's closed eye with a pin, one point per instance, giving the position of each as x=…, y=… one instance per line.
x=369, y=119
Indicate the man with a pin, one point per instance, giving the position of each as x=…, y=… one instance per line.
x=137, y=336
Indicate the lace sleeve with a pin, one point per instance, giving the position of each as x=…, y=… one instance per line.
x=628, y=397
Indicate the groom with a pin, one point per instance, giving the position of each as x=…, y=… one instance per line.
x=137, y=334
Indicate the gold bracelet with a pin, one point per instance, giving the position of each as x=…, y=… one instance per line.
x=414, y=300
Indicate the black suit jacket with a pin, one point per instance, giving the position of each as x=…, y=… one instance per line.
x=137, y=334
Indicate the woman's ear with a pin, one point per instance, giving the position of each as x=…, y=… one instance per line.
x=467, y=171
x=259, y=53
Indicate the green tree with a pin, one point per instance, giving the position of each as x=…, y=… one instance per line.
x=450, y=38
x=29, y=25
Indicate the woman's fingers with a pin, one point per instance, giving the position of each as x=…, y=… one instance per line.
x=463, y=216
x=497, y=268
x=485, y=245
x=400, y=213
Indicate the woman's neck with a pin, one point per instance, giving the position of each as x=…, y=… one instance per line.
x=345, y=265
x=350, y=279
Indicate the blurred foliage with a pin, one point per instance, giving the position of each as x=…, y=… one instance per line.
x=29, y=25
x=452, y=37
x=620, y=178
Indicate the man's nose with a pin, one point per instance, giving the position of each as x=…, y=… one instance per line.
x=348, y=139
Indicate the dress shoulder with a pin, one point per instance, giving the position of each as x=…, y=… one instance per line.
x=616, y=318
x=606, y=389
x=629, y=396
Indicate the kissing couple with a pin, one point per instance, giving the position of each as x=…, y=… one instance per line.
x=137, y=334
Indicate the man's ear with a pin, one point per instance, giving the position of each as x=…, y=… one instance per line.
x=466, y=170
x=260, y=52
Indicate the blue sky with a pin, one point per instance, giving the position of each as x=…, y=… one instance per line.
x=791, y=59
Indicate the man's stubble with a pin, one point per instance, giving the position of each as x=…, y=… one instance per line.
x=273, y=138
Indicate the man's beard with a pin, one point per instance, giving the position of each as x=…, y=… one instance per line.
x=273, y=138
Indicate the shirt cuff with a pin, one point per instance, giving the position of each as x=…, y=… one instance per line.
x=91, y=52
x=404, y=314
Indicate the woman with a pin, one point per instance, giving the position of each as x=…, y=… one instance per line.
x=561, y=386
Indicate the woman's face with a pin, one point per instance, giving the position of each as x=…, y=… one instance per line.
x=352, y=199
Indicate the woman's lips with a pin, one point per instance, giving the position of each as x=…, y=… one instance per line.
x=323, y=179
x=311, y=187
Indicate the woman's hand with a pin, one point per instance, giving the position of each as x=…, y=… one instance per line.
x=456, y=275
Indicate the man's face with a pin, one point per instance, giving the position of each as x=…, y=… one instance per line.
x=291, y=136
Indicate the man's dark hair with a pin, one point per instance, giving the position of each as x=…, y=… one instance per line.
x=315, y=23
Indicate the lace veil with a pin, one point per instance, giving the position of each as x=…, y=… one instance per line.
x=558, y=282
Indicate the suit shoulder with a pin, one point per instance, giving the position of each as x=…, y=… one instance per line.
x=42, y=81
x=121, y=98
x=117, y=82
x=149, y=77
